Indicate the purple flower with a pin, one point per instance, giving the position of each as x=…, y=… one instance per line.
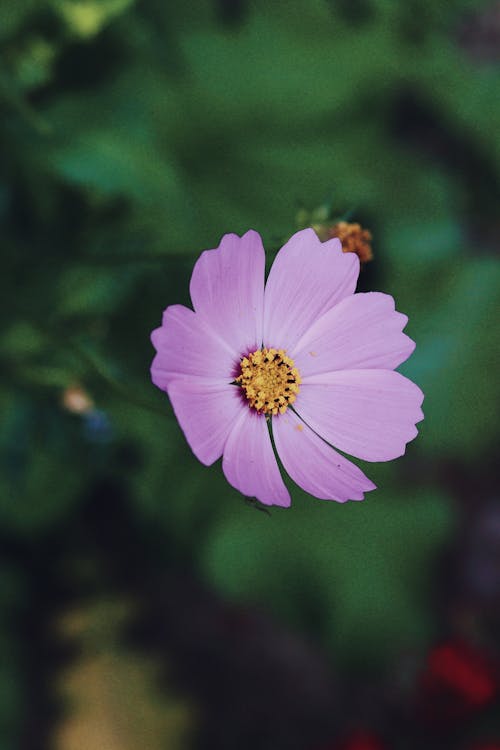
x=304, y=356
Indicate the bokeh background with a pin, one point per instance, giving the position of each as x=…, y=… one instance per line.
x=143, y=604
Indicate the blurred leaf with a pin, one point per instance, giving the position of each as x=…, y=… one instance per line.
x=367, y=565
x=40, y=477
x=10, y=699
x=113, y=696
x=86, y=18
x=13, y=13
x=467, y=94
x=425, y=244
x=22, y=339
x=93, y=291
x=116, y=164
x=456, y=360
x=32, y=62
x=284, y=70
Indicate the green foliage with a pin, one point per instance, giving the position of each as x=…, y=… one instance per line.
x=40, y=467
x=339, y=568
x=457, y=362
x=133, y=135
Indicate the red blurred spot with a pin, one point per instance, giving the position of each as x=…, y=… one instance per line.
x=362, y=741
x=358, y=741
x=457, y=680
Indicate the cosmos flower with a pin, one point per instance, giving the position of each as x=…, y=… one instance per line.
x=303, y=358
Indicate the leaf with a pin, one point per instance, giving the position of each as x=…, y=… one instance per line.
x=86, y=18
x=93, y=291
x=13, y=13
x=455, y=362
x=115, y=164
x=367, y=566
x=40, y=477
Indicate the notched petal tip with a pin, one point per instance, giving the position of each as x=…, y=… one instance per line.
x=252, y=234
x=370, y=414
x=361, y=331
x=417, y=394
x=403, y=319
x=314, y=465
x=350, y=260
x=333, y=244
x=307, y=234
x=278, y=501
x=159, y=376
x=227, y=289
x=308, y=277
x=249, y=463
x=155, y=337
x=231, y=242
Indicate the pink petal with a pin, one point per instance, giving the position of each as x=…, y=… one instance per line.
x=362, y=331
x=227, y=289
x=249, y=462
x=186, y=346
x=207, y=412
x=307, y=278
x=370, y=414
x=314, y=465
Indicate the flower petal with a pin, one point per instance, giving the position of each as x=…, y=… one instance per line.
x=370, y=414
x=362, y=331
x=249, y=462
x=314, y=465
x=207, y=412
x=227, y=289
x=307, y=278
x=186, y=346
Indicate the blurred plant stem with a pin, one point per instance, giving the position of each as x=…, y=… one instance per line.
x=97, y=364
x=101, y=368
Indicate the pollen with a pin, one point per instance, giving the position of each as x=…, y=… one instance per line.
x=269, y=380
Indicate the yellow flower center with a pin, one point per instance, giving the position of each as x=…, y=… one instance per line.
x=269, y=380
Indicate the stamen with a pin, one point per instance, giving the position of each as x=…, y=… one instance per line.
x=269, y=380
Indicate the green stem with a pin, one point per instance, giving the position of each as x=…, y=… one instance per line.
x=101, y=369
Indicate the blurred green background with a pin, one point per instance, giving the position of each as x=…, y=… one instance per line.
x=138, y=591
